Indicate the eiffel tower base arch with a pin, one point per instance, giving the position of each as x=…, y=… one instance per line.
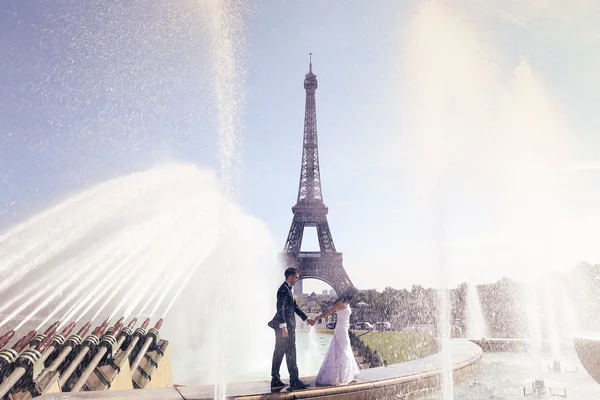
x=326, y=267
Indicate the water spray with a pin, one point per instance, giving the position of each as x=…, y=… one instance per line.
x=38, y=252
x=25, y=304
x=48, y=298
x=139, y=261
x=89, y=281
x=54, y=281
x=103, y=286
x=142, y=286
x=22, y=293
x=92, y=296
x=117, y=289
x=176, y=278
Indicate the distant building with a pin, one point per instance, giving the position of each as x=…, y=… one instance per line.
x=324, y=292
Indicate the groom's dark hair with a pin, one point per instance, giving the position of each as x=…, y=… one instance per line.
x=291, y=271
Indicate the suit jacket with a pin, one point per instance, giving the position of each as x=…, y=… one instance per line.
x=286, y=307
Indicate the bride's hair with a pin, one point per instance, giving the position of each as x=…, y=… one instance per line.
x=346, y=296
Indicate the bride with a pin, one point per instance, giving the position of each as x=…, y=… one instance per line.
x=339, y=366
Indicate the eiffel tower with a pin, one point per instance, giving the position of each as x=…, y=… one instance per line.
x=325, y=264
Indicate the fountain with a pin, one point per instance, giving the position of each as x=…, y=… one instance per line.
x=142, y=245
x=120, y=240
x=474, y=130
x=552, y=317
x=227, y=40
x=145, y=236
x=475, y=321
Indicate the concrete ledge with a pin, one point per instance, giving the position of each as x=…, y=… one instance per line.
x=405, y=380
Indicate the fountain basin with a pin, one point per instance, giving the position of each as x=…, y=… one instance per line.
x=507, y=345
x=397, y=380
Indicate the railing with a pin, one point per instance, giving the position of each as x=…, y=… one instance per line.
x=317, y=254
x=309, y=254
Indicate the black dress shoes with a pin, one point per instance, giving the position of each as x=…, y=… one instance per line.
x=298, y=385
x=277, y=384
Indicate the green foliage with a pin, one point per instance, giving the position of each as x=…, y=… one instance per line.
x=397, y=347
x=399, y=307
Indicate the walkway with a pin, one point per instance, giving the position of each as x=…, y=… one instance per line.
x=383, y=382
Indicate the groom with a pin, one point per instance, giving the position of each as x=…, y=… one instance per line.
x=284, y=323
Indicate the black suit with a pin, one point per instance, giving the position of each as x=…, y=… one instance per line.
x=286, y=307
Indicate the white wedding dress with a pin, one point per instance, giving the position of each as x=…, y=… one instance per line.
x=339, y=366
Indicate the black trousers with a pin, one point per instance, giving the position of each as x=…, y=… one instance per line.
x=285, y=346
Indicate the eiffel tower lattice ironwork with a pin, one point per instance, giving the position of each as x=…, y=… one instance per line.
x=310, y=211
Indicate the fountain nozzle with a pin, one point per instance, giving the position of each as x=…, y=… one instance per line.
x=117, y=328
x=68, y=329
x=4, y=339
x=45, y=343
x=100, y=330
x=24, y=341
x=132, y=323
x=84, y=329
x=52, y=329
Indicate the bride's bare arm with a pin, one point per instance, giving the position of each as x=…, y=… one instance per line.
x=333, y=309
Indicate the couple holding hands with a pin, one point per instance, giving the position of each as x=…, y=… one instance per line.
x=339, y=366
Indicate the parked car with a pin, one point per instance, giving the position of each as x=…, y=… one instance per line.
x=363, y=326
x=383, y=326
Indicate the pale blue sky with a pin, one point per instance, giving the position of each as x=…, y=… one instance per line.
x=94, y=89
